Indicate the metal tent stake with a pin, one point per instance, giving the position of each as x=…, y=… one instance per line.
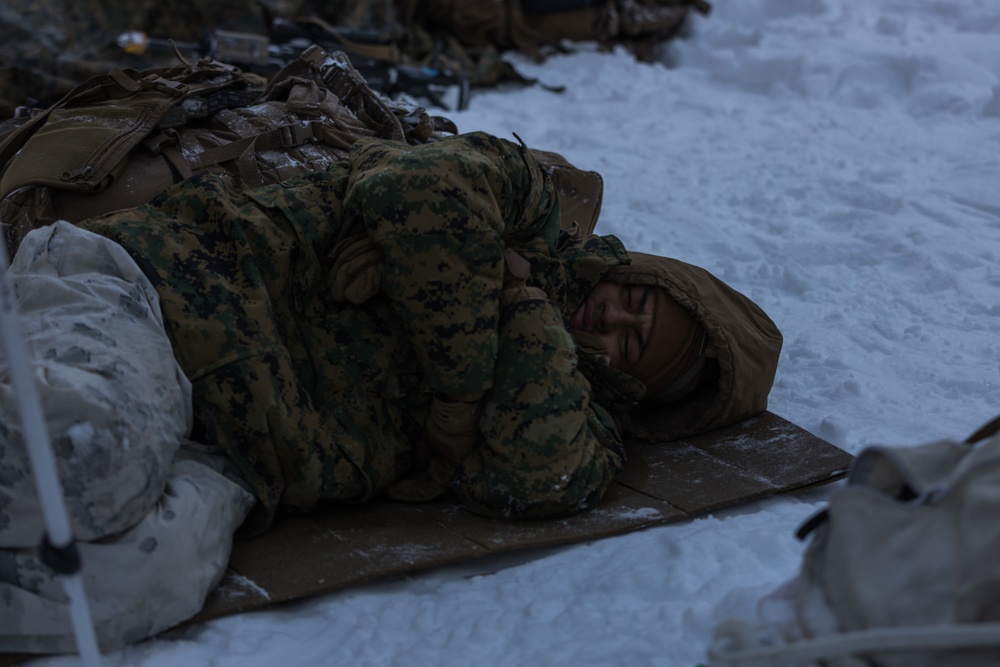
x=58, y=549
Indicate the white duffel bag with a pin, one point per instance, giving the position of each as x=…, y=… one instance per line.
x=903, y=568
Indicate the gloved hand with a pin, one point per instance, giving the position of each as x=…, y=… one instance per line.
x=517, y=270
x=451, y=433
x=452, y=426
x=356, y=273
x=426, y=485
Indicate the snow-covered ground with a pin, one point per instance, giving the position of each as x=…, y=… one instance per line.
x=838, y=161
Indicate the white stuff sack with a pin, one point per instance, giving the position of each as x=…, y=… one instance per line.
x=903, y=568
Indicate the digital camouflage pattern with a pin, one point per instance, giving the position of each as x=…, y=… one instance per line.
x=318, y=399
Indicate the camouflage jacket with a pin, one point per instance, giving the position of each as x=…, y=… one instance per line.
x=318, y=399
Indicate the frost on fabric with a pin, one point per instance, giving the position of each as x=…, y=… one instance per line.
x=235, y=586
x=81, y=435
x=639, y=513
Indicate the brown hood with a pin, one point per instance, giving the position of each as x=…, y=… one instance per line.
x=742, y=349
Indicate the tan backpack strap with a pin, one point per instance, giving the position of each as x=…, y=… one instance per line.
x=243, y=151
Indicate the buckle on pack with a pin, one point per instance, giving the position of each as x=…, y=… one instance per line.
x=163, y=85
x=155, y=143
x=302, y=133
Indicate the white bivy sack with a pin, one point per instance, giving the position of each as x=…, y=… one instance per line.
x=903, y=568
x=153, y=514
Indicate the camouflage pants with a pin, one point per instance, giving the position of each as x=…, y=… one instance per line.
x=154, y=520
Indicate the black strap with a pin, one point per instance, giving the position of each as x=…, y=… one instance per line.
x=62, y=560
x=812, y=523
x=985, y=432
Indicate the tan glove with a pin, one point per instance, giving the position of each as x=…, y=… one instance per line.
x=425, y=485
x=451, y=433
x=517, y=270
x=356, y=273
x=452, y=426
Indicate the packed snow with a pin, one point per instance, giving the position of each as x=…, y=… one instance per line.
x=839, y=162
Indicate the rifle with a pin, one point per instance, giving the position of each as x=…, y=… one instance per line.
x=377, y=62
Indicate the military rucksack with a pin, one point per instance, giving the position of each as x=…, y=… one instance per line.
x=118, y=140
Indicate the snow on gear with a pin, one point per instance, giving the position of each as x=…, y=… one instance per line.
x=123, y=137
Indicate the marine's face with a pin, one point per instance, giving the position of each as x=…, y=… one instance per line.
x=621, y=317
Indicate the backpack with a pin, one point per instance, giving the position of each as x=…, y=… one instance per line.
x=120, y=139
x=902, y=570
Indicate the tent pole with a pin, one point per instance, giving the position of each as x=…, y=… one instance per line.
x=58, y=549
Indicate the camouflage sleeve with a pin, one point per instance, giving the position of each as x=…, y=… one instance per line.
x=546, y=450
x=441, y=214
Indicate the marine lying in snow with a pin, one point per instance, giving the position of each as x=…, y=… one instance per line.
x=412, y=321
x=325, y=321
